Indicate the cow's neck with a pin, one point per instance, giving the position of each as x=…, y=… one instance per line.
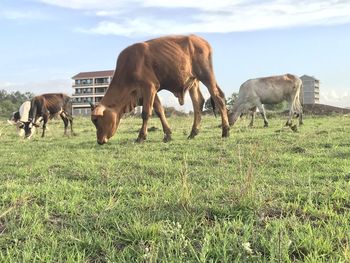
x=116, y=98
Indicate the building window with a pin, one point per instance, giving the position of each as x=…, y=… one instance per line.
x=101, y=80
x=83, y=81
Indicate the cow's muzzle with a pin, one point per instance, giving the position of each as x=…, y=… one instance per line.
x=103, y=141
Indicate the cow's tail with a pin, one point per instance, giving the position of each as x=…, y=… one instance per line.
x=298, y=99
x=68, y=106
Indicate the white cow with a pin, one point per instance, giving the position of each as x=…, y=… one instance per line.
x=21, y=118
x=269, y=90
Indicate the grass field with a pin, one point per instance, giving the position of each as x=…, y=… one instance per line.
x=263, y=195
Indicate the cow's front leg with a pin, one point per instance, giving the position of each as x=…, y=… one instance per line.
x=148, y=99
x=252, y=113
x=263, y=114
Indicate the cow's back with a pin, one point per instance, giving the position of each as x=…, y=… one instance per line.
x=167, y=61
x=52, y=102
x=272, y=89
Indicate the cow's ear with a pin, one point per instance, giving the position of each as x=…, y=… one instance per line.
x=92, y=106
x=11, y=122
x=98, y=110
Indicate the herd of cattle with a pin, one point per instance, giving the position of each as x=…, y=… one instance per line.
x=173, y=63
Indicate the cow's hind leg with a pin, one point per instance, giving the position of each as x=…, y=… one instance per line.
x=45, y=119
x=148, y=95
x=70, y=118
x=197, y=102
x=65, y=121
x=159, y=110
x=301, y=117
x=290, y=116
x=219, y=99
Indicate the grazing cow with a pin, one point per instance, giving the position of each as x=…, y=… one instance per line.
x=20, y=119
x=269, y=90
x=48, y=106
x=174, y=63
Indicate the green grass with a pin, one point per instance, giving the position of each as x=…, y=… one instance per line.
x=263, y=195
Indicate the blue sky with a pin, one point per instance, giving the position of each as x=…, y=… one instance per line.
x=45, y=42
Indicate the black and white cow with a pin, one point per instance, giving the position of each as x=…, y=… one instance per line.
x=20, y=119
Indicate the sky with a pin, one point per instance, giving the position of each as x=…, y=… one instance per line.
x=46, y=42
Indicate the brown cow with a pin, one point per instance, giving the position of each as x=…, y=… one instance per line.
x=174, y=63
x=48, y=106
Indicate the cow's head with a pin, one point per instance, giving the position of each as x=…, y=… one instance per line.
x=106, y=121
x=29, y=128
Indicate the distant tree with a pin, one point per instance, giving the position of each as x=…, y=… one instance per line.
x=10, y=102
x=232, y=99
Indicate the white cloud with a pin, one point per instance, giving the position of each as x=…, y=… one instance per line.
x=131, y=4
x=335, y=98
x=158, y=17
x=22, y=15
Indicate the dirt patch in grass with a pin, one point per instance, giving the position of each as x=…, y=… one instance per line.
x=298, y=149
x=326, y=145
x=271, y=213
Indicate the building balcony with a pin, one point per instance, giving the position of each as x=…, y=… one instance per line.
x=100, y=93
x=80, y=103
x=82, y=94
x=102, y=84
x=82, y=85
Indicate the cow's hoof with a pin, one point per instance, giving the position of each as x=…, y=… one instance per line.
x=294, y=128
x=140, y=140
x=225, y=132
x=266, y=125
x=167, y=138
x=193, y=134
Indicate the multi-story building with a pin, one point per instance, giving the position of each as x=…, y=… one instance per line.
x=311, y=89
x=89, y=87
